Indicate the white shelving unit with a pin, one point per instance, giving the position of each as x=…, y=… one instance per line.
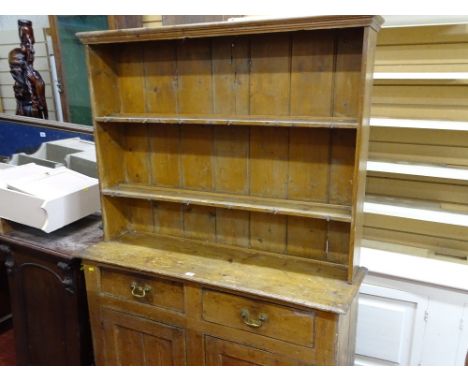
x=413, y=305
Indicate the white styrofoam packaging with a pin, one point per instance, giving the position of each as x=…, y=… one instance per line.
x=46, y=198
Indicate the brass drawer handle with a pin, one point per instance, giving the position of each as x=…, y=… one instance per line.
x=139, y=291
x=253, y=323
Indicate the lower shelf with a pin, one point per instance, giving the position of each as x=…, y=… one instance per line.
x=307, y=283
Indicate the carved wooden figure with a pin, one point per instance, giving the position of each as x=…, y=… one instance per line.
x=29, y=87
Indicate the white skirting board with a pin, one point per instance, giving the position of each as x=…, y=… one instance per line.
x=46, y=198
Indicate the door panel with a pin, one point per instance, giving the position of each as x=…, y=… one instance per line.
x=133, y=341
x=47, y=303
x=225, y=353
x=389, y=327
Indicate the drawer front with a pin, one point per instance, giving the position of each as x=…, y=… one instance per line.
x=142, y=289
x=271, y=320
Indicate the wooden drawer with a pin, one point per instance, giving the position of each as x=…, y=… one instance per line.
x=271, y=320
x=141, y=289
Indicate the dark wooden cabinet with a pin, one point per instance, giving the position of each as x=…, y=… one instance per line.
x=5, y=310
x=48, y=295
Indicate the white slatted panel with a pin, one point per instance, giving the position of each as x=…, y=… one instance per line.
x=417, y=184
x=151, y=21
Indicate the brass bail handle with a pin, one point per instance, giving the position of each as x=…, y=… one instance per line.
x=253, y=323
x=139, y=291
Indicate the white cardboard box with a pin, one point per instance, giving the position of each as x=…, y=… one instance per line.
x=46, y=198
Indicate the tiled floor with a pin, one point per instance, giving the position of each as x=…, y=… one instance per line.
x=7, y=348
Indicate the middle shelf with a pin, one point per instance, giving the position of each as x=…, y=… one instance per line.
x=232, y=120
x=230, y=201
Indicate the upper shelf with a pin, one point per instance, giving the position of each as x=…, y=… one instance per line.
x=232, y=28
x=248, y=120
x=232, y=201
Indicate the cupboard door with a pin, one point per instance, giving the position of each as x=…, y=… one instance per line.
x=49, y=309
x=135, y=341
x=220, y=352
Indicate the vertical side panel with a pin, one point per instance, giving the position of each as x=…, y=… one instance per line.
x=92, y=276
x=348, y=86
x=109, y=145
x=195, y=77
x=343, y=146
x=131, y=78
x=196, y=160
x=362, y=147
x=270, y=74
x=326, y=334
x=307, y=237
x=160, y=77
x=312, y=73
x=104, y=86
x=115, y=216
x=308, y=164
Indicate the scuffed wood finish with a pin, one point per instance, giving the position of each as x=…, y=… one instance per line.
x=230, y=29
x=162, y=293
x=316, y=332
x=362, y=147
x=231, y=120
x=248, y=203
x=290, y=325
x=226, y=353
x=232, y=174
x=308, y=283
x=134, y=341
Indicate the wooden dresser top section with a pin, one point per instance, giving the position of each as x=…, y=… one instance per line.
x=252, y=272
x=229, y=29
